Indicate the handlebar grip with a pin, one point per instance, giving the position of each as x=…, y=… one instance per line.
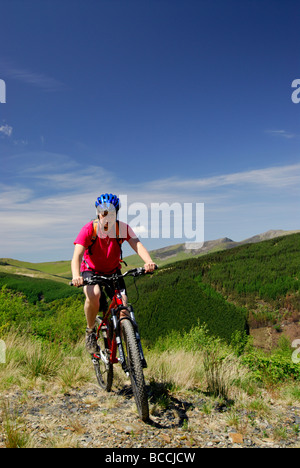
x=142, y=269
x=84, y=283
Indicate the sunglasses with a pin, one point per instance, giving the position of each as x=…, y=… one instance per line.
x=106, y=212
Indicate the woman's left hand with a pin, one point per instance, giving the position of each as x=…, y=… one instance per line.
x=150, y=267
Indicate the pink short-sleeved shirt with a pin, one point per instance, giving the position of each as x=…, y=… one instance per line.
x=105, y=252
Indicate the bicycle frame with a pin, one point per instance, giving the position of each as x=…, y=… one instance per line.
x=114, y=310
x=115, y=304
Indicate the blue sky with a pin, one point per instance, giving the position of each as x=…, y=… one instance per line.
x=161, y=100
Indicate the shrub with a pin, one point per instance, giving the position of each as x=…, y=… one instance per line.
x=272, y=368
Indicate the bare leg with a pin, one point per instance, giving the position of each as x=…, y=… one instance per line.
x=124, y=313
x=91, y=306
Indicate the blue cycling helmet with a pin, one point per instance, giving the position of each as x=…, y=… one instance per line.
x=106, y=201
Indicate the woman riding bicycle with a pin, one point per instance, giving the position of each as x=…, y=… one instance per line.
x=97, y=250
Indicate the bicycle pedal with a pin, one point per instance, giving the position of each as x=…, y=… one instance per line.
x=95, y=360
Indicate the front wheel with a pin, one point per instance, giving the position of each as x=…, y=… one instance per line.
x=135, y=368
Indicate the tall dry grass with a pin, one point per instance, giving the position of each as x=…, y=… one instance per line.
x=30, y=362
x=205, y=370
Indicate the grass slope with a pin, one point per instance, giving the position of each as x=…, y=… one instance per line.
x=58, y=271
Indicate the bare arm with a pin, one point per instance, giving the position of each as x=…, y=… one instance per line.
x=141, y=250
x=75, y=264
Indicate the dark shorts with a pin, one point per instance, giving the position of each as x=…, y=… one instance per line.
x=109, y=289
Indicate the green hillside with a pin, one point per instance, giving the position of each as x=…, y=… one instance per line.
x=61, y=270
x=257, y=282
x=178, y=252
x=37, y=289
x=58, y=271
x=225, y=290
x=264, y=277
x=176, y=299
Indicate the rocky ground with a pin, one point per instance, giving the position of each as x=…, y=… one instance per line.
x=89, y=418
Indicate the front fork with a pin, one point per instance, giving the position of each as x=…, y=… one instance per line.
x=117, y=329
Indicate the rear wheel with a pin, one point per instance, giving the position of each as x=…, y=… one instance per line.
x=135, y=369
x=102, y=366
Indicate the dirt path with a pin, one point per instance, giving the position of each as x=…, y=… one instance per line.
x=88, y=417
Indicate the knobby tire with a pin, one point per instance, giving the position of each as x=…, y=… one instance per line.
x=135, y=369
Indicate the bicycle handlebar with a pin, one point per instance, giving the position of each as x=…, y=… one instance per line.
x=96, y=278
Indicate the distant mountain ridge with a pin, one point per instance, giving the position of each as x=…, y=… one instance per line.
x=61, y=270
x=223, y=243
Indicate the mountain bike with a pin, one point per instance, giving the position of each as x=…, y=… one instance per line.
x=118, y=334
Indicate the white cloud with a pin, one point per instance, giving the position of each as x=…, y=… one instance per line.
x=6, y=130
x=282, y=176
x=281, y=133
x=11, y=197
x=37, y=79
x=44, y=206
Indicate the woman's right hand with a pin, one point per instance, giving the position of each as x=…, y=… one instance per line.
x=77, y=281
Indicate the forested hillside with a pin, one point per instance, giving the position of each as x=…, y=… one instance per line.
x=37, y=290
x=256, y=282
x=176, y=299
x=264, y=277
x=268, y=270
x=251, y=285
